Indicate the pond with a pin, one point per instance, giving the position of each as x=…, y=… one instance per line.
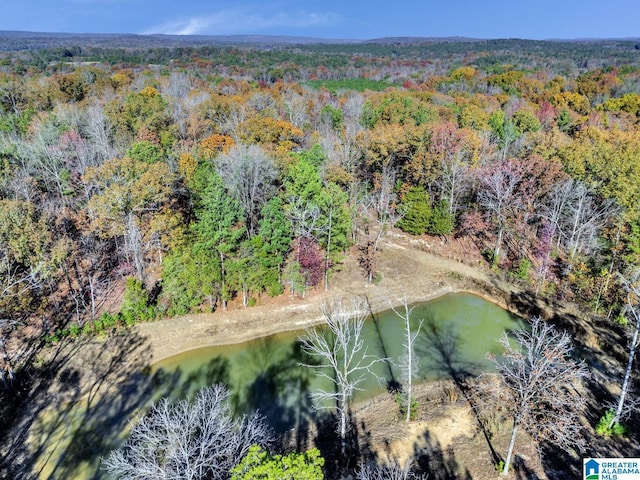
x=268, y=375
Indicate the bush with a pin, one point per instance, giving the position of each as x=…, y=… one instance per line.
x=524, y=267
x=616, y=430
x=88, y=328
x=135, y=303
x=75, y=330
x=401, y=400
x=441, y=220
x=108, y=320
x=259, y=464
x=417, y=211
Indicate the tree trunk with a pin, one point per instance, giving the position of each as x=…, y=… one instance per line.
x=135, y=246
x=343, y=423
x=496, y=251
x=326, y=264
x=507, y=462
x=344, y=401
x=627, y=373
x=409, y=365
x=245, y=295
x=222, y=283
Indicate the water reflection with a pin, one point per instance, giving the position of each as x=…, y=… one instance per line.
x=440, y=348
x=266, y=375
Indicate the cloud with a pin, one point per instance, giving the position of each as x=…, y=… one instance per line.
x=244, y=21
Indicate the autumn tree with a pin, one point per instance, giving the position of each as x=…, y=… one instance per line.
x=126, y=195
x=605, y=159
x=25, y=255
x=27, y=266
x=278, y=135
x=400, y=108
x=145, y=109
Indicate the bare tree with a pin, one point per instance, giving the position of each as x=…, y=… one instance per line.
x=388, y=472
x=295, y=106
x=538, y=386
x=408, y=364
x=582, y=216
x=187, y=440
x=249, y=174
x=499, y=196
x=632, y=285
x=454, y=179
x=344, y=150
x=339, y=344
x=97, y=129
x=379, y=214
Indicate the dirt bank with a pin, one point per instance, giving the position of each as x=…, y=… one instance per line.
x=405, y=271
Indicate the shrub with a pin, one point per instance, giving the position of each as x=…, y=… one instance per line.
x=441, y=220
x=75, y=330
x=417, y=211
x=616, y=430
x=135, y=303
x=401, y=400
x=108, y=320
x=524, y=267
x=259, y=464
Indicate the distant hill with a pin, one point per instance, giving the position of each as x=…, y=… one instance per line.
x=21, y=40
x=17, y=40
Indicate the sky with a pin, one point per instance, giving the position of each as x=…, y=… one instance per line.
x=336, y=19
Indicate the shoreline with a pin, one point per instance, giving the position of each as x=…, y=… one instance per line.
x=240, y=337
x=431, y=277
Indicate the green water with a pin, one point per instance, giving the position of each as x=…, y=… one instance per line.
x=458, y=331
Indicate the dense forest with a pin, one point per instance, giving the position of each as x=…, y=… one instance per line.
x=179, y=178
